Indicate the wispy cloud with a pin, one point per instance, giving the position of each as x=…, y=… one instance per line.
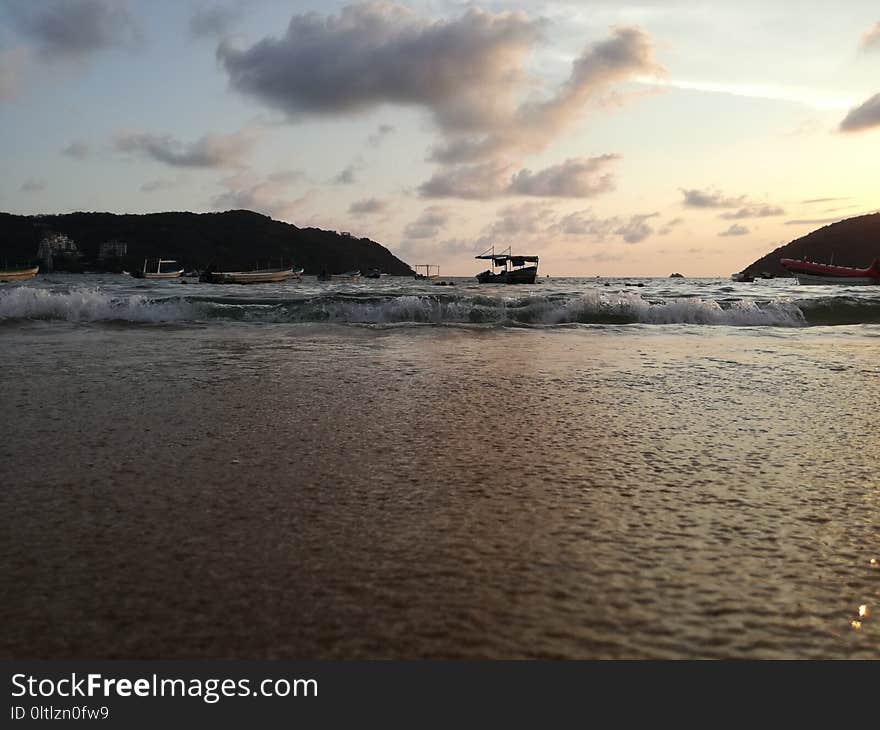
x=863, y=117
x=211, y=150
x=33, y=185
x=736, y=229
x=77, y=149
x=72, y=30
x=368, y=206
x=429, y=224
x=214, y=21
x=815, y=98
x=870, y=40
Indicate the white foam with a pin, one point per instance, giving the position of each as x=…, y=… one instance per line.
x=88, y=305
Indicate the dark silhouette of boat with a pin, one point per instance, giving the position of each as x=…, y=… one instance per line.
x=513, y=269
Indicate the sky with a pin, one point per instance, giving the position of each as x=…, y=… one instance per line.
x=609, y=138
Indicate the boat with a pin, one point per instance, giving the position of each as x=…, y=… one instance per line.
x=432, y=271
x=256, y=276
x=373, y=274
x=19, y=274
x=159, y=269
x=811, y=272
x=346, y=275
x=514, y=269
x=742, y=276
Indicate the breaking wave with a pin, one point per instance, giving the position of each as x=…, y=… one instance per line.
x=591, y=307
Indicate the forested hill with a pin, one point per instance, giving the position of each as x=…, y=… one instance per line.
x=850, y=242
x=234, y=240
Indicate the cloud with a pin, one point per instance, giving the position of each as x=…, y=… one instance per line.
x=153, y=186
x=33, y=185
x=346, y=176
x=754, y=211
x=270, y=195
x=432, y=220
x=12, y=66
x=735, y=229
x=474, y=182
x=575, y=178
x=376, y=52
x=636, y=229
x=368, y=206
x=211, y=150
x=213, y=21
x=468, y=72
x=582, y=177
x=710, y=199
x=72, y=30
x=667, y=227
x=823, y=200
x=862, y=117
x=382, y=131
x=77, y=149
x=536, y=224
x=871, y=39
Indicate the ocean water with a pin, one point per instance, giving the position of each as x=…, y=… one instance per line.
x=583, y=468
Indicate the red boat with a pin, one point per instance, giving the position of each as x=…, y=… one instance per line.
x=809, y=272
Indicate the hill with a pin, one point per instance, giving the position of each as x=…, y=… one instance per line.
x=850, y=242
x=234, y=240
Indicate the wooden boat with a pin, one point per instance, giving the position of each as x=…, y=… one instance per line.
x=432, y=271
x=159, y=269
x=18, y=274
x=257, y=276
x=810, y=272
x=514, y=269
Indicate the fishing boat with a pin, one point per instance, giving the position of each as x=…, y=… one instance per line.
x=257, y=276
x=159, y=269
x=19, y=274
x=811, y=272
x=432, y=271
x=513, y=269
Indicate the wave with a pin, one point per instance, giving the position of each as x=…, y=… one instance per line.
x=591, y=307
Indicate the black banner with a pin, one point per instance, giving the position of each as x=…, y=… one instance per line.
x=236, y=693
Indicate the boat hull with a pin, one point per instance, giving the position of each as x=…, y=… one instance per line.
x=249, y=277
x=845, y=280
x=810, y=272
x=19, y=274
x=525, y=275
x=163, y=275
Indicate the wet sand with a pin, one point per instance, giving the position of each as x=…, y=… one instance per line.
x=304, y=492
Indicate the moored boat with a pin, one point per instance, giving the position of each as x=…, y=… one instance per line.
x=159, y=269
x=811, y=272
x=346, y=275
x=22, y=274
x=514, y=269
x=257, y=276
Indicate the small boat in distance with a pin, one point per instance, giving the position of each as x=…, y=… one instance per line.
x=19, y=274
x=346, y=275
x=514, y=269
x=432, y=271
x=257, y=276
x=810, y=272
x=742, y=276
x=159, y=269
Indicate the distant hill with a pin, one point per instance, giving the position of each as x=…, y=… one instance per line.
x=234, y=240
x=850, y=242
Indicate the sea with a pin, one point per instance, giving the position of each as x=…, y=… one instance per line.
x=394, y=468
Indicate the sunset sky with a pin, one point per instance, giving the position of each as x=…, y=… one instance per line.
x=610, y=138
